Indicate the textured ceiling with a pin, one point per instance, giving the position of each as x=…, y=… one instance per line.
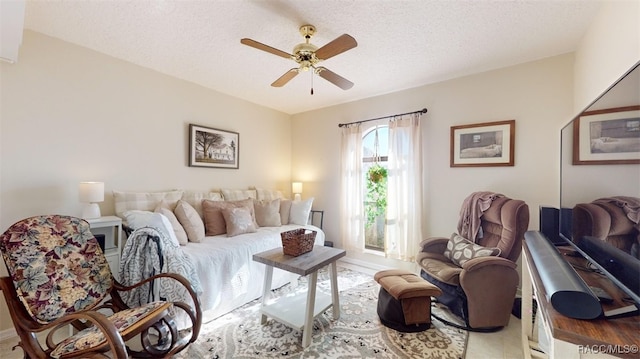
x=401, y=44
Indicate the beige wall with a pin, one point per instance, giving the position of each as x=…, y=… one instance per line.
x=537, y=95
x=607, y=51
x=69, y=114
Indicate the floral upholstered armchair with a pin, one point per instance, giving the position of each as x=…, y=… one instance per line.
x=58, y=276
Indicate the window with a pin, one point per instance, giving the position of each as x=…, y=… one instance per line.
x=393, y=216
x=375, y=154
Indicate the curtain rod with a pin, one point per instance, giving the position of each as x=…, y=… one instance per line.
x=424, y=110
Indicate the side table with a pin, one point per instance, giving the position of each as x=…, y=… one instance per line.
x=111, y=226
x=288, y=310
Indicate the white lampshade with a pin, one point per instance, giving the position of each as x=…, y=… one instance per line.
x=91, y=193
x=296, y=188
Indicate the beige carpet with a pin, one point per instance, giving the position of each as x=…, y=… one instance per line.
x=357, y=334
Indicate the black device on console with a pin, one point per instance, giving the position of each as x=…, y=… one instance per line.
x=549, y=224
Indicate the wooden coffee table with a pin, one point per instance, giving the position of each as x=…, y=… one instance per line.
x=289, y=309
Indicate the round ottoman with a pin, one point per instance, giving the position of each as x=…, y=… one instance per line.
x=404, y=302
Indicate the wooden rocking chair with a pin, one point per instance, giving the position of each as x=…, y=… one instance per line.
x=59, y=276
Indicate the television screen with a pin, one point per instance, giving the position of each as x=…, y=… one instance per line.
x=620, y=264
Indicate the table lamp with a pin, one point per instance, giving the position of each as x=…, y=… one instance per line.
x=91, y=193
x=296, y=188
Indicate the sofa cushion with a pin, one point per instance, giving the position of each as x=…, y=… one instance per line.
x=178, y=230
x=194, y=198
x=238, y=220
x=143, y=201
x=268, y=194
x=190, y=221
x=300, y=211
x=460, y=250
x=267, y=212
x=213, y=218
x=238, y=194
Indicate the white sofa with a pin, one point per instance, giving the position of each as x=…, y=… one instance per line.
x=224, y=265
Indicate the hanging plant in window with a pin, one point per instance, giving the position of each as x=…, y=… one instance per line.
x=377, y=173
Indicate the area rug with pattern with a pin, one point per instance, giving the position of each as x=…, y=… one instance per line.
x=357, y=334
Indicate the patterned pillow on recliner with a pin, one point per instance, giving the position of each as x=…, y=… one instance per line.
x=460, y=250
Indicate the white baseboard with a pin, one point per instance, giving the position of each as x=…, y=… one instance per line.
x=361, y=263
x=8, y=334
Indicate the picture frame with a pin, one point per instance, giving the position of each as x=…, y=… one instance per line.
x=606, y=137
x=214, y=148
x=487, y=144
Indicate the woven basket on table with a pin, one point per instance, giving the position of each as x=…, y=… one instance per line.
x=297, y=241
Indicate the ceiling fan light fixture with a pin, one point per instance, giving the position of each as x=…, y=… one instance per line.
x=307, y=56
x=305, y=65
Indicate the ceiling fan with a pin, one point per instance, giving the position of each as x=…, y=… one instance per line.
x=308, y=56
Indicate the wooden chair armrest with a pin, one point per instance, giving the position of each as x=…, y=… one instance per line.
x=194, y=313
x=99, y=320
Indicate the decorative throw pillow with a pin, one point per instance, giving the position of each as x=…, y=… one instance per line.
x=267, y=213
x=238, y=221
x=285, y=211
x=213, y=218
x=460, y=250
x=181, y=235
x=138, y=219
x=300, y=211
x=190, y=221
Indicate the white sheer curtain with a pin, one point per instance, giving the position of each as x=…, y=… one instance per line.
x=351, y=191
x=404, y=188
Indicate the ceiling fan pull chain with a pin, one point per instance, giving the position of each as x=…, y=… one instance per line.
x=312, y=82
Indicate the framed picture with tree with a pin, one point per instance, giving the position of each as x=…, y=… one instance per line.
x=210, y=147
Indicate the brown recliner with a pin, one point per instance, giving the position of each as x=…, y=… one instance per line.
x=607, y=220
x=482, y=290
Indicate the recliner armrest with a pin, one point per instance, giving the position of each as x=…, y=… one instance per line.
x=430, y=255
x=490, y=284
x=434, y=245
x=480, y=262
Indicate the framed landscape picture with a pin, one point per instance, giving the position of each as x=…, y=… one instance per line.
x=483, y=144
x=210, y=147
x=609, y=136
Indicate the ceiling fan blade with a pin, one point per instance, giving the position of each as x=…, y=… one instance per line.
x=341, y=44
x=334, y=78
x=263, y=47
x=285, y=78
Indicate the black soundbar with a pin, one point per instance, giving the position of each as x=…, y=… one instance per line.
x=566, y=291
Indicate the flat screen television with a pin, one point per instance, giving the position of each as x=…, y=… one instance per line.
x=586, y=181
